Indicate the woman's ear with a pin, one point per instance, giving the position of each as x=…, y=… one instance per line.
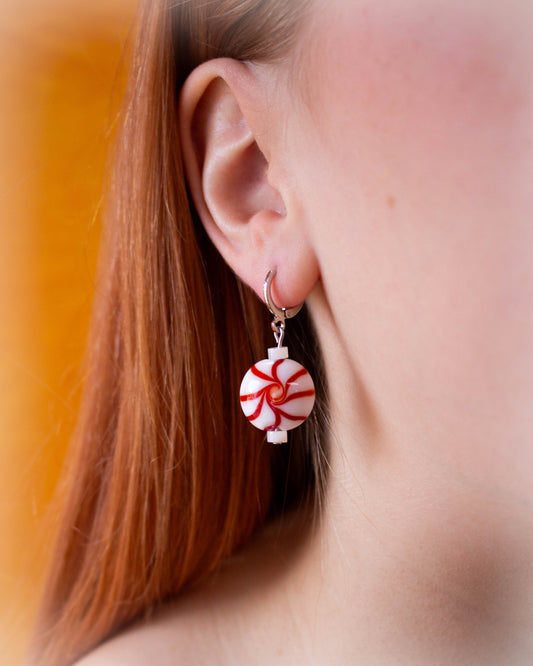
x=230, y=143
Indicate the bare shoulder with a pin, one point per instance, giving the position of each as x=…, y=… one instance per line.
x=212, y=625
x=164, y=640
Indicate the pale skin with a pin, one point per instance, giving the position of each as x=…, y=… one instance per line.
x=391, y=162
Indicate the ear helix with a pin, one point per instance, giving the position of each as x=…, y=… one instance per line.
x=277, y=394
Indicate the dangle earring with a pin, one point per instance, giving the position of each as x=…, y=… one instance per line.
x=277, y=394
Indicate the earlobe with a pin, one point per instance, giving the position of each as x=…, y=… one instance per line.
x=226, y=138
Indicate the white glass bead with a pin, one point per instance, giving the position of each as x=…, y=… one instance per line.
x=277, y=394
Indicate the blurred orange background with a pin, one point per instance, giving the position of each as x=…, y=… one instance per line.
x=61, y=79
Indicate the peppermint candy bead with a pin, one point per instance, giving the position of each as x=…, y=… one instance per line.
x=277, y=394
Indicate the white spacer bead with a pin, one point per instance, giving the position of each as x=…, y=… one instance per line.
x=277, y=436
x=275, y=353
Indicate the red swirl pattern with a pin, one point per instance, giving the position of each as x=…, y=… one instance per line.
x=276, y=393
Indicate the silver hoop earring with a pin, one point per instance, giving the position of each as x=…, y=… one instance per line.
x=277, y=394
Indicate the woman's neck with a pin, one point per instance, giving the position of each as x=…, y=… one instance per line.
x=415, y=561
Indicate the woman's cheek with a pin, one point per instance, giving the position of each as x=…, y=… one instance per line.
x=423, y=116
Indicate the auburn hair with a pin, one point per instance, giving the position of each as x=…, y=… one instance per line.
x=165, y=477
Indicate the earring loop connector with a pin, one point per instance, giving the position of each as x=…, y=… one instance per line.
x=279, y=313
